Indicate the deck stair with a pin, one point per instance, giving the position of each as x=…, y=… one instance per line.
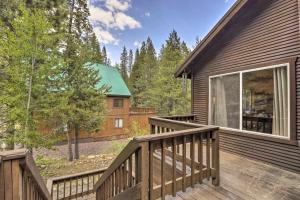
x=177, y=155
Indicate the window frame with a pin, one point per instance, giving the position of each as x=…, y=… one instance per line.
x=118, y=99
x=241, y=72
x=118, y=119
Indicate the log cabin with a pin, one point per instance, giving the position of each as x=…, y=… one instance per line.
x=245, y=79
x=119, y=115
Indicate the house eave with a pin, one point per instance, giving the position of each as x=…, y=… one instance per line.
x=210, y=36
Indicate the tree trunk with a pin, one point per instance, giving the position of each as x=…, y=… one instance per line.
x=76, y=138
x=70, y=151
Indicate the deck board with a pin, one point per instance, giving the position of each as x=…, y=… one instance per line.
x=242, y=178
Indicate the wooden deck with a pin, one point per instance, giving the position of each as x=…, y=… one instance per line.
x=242, y=178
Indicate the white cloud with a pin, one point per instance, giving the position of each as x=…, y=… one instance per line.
x=102, y=16
x=122, y=21
x=147, y=14
x=117, y=5
x=105, y=36
x=108, y=15
x=137, y=44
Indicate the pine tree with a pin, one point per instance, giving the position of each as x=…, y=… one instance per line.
x=124, y=64
x=167, y=90
x=29, y=57
x=104, y=55
x=84, y=100
x=149, y=67
x=135, y=76
x=95, y=49
x=130, y=61
x=198, y=40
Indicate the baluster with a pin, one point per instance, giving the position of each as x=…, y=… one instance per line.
x=81, y=186
x=163, y=158
x=136, y=167
x=88, y=183
x=200, y=157
x=130, y=172
x=112, y=185
x=192, y=153
x=216, y=158
x=208, y=155
x=121, y=178
x=184, y=164
x=70, y=188
x=174, y=167
x=125, y=175
x=57, y=190
x=64, y=188
x=151, y=163
x=117, y=181
x=76, y=190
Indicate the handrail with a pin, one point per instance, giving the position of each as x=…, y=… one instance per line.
x=120, y=179
x=178, y=116
x=171, y=124
x=67, y=186
x=20, y=178
x=168, y=135
x=131, y=147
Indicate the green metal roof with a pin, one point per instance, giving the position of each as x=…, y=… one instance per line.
x=111, y=77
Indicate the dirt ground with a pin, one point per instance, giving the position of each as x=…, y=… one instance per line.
x=93, y=155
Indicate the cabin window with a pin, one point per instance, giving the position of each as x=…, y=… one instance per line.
x=118, y=103
x=252, y=101
x=118, y=123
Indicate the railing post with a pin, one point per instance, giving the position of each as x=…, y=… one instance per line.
x=215, y=159
x=144, y=170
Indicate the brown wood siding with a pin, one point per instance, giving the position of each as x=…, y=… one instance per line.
x=298, y=98
x=269, y=34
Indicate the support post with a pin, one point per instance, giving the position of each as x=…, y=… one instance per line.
x=215, y=159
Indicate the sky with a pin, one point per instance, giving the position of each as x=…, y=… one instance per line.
x=119, y=23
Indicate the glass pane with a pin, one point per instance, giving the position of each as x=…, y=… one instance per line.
x=225, y=101
x=120, y=123
x=118, y=103
x=265, y=101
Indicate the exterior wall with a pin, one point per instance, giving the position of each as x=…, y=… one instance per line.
x=109, y=131
x=268, y=34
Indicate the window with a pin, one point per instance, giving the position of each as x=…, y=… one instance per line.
x=118, y=123
x=255, y=100
x=118, y=103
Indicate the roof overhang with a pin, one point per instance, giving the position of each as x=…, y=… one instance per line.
x=186, y=66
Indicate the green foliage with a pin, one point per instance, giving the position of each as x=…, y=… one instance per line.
x=84, y=102
x=40, y=160
x=45, y=78
x=116, y=146
x=28, y=50
x=167, y=91
x=152, y=80
x=136, y=130
x=124, y=64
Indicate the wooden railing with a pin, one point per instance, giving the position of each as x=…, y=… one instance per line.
x=177, y=155
x=75, y=185
x=20, y=178
x=124, y=178
x=183, y=118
